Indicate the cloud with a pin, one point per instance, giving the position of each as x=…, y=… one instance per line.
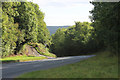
x=60, y=3
x=64, y=12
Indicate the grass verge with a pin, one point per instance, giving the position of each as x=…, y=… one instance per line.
x=104, y=65
x=21, y=59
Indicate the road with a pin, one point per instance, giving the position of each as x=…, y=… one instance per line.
x=12, y=70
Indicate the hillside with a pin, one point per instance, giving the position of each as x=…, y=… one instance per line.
x=52, y=29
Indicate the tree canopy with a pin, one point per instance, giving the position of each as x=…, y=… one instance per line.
x=74, y=40
x=105, y=17
x=22, y=22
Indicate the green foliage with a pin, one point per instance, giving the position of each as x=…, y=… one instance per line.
x=58, y=41
x=76, y=38
x=105, y=17
x=9, y=35
x=22, y=22
x=23, y=50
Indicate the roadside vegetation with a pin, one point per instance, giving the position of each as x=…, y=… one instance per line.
x=30, y=52
x=103, y=65
x=21, y=58
x=41, y=49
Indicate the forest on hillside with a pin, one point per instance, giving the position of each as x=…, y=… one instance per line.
x=23, y=23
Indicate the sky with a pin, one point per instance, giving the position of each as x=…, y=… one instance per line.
x=64, y=12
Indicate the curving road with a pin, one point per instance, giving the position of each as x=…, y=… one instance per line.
x=12, y=70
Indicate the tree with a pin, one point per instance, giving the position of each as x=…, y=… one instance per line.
x=57, y=45
x=106, y=20
x=74, y=40
x=22, y=22
x=9, y=35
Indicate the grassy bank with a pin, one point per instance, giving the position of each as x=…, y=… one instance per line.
x=40, y=48
x=104, y=65
x=21, y=58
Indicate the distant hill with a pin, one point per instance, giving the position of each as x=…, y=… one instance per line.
x=53, y=29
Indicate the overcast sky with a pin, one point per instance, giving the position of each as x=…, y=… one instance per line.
x=64, y=12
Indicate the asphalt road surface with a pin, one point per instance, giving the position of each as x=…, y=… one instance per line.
x=12, y=70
